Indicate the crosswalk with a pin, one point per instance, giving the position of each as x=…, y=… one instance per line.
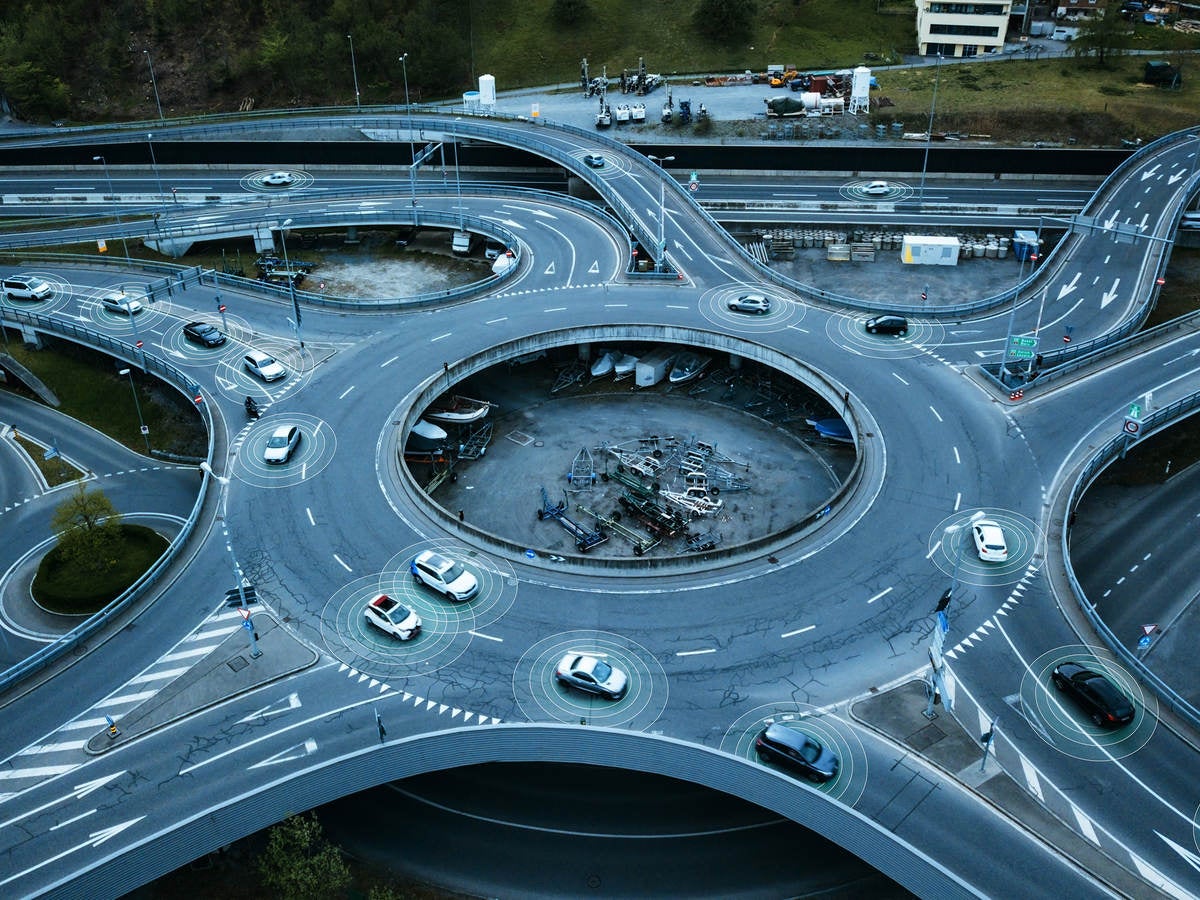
x=64, y=751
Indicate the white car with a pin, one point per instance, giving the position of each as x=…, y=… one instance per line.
x=759, y=304
x=263, y=365
x=282, y=444
x=591, y=675
x=877, y=188
x=444, y=575
x=989, y=541
x=278, y=179
x=120, y=304
x=392, y=617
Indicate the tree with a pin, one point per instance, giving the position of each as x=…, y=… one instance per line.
x=1103, y=35
x=88, y=527
x=724, y=20
x=300, y=864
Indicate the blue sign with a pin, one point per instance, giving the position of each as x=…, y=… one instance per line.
x=530, y=554
x=943, y=623
x=248, y=625
x=1144, y=641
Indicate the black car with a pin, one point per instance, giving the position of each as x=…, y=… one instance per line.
x=203, y=333
x=797, y=750
x=1094, y=694
x=887, y=325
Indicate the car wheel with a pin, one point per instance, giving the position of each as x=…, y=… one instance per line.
x=11, y=297
x=903, y=332
x=416, y=577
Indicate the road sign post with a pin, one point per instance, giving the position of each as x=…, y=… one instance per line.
x=248, y=624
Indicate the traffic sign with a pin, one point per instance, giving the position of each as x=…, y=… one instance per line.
x=1020, y=353
x=943, y=623
x=1135, y=411
x=1017, y=341
x=145, y=429
x=248, y=625
x=245, y=617
x=1149, y=629
x=1132, y=426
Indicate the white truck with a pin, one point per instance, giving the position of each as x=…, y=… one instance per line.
x=653, y=367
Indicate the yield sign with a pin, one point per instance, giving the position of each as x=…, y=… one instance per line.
x=1149, y=629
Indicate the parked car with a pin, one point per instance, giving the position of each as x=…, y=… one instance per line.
x=1094, y=693
x=278, y=179
x=751, y=303
x=282, y=444
x=392, y=617
x=26, y=287
x=204, y=334
x=444, y=575
x=591, y=675
x=117, y=302
x=595, y=160
x=263, y=365
x=989, y=541
x=797, y=750
x=876, y=188
x=888, y=324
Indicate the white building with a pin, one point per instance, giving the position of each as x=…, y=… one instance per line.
x=961, y=29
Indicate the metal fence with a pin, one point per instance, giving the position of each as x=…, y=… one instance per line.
x=1152, y=422
x=173, y=376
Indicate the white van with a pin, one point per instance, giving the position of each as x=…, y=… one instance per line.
x=25, y=287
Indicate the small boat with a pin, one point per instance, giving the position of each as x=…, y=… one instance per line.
x=637, y=112
x=456, y=410
x=624, y=366
x=604, y=364
x=834, y=429
x=425, y=437
x=687, y=366
x=623, y=113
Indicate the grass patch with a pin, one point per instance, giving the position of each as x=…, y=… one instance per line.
x=63, y=587
x=90, y=390
x=56, y=471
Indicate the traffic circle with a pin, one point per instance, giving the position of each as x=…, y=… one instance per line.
x=952, y=548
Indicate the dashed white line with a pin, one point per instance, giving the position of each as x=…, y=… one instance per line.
x=486, y=637
x=388, y=362
x=342, y=395
x=1106, y=593
x=496, y=321
x=881, y=594
x=1121, y=579
x=696, y=652
x=899, y=379
x=1135, y=568
x=555, y=309
x=676, y=306
x=788, y=634
x=957, y=500
x=934, y=549
x=957, y=458
x=311, y=520
x=342, y=563
x=440, y=337
x=935, y=414
x=1146, y=557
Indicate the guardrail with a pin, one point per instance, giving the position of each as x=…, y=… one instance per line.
x=173, y=376
x=1153, y=422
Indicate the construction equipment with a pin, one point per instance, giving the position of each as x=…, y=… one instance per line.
x=641, y=543
x=585, y=539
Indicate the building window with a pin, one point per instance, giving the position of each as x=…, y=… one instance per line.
x=973, y=30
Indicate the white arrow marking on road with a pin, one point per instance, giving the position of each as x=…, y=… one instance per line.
x=549, y=268
x=72, y=820
x=1110, y=223
x=1110, y=295
x=1150, y=174
x=226, y=383
x=1174, y=178
x=679, y=247
x=509, y=222
x=95, y=839
x=80, y=791
x=984, y=354
x=291, y=701
x=1067, y=288
x=1190, y=353
x=308, y=748
x=1142, y=224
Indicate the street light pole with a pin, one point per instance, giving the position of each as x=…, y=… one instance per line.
x=108, y=176
x=662, y=210
x=291, y=281
x=138, y=406
x=154, y=164
x=937, y=77
x=412, y=149
x=154, y=82
x=354, y=69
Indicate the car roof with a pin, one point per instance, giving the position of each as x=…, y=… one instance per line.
x=434, y=560
x=383, y=602
x=202, y=326
x=789, y=737
x=284, y=430
x=257, y=355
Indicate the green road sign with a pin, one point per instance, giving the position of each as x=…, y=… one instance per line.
x=1021, y=354
x=1023, y=341
x=1135, y=411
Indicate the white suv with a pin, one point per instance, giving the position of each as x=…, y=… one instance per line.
x=444, y=575
x=26, y=287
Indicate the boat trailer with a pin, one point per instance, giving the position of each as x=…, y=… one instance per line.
x=585, y=539
x=641, y=543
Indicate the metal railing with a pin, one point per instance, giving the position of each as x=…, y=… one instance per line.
x=173, y=376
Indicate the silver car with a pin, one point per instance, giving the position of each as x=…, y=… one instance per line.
x=758, y=304
x=282, y=444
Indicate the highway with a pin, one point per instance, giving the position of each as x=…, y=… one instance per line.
x=800, y=624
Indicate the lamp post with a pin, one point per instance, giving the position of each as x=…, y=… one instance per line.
x=291, y=281
x=458, y=186
x=662, y=210
x=412, y=168
x=937, y=77
x=108, y=176
x=154, y=165
x=354, y=69
x=138, y=406
x=154, y=82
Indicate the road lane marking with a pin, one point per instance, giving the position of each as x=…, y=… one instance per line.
x=899, y=379
x=788, y=634
x=72, y=821
x=440, y=337
x=957, y=458
x=486, y=637
x=388, y=362
x=342, y=395
x=934, y=550
x=342, y=563
x=311, y=520
x=696, y=652
x=496, y=321
x=935, y=414
x=880, y=595
x=957, y=500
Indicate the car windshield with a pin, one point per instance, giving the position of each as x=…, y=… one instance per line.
x=278, y=440
x=453, y=573
x=994, y=546
x=602, y=670
x=810, y=750
x=266, y=361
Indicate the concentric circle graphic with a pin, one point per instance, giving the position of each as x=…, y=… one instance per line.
x=497, y=582
x=542, y=697
x=136, y=326
x=61, y=292
x=313, y=453
x=350, y=639
x=952, y=547
x=257, y=181
x=829, y=729
x=862, y=190
x=851, y=332
x=178, y=347
x=1065, y=725
x=614, y=166
x=785, y=310
x=236, y=383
